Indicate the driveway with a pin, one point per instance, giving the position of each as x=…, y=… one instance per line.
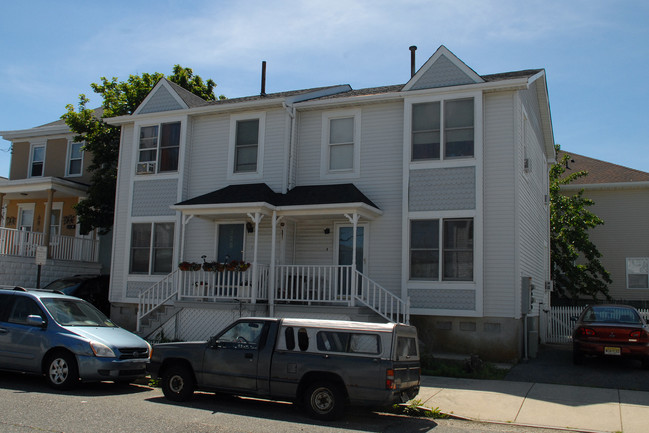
x=554, y=365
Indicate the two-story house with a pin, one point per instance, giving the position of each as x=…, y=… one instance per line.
x=424, y=202
x=48, y=176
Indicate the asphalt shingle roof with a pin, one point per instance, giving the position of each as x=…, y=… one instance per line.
x=600, y=171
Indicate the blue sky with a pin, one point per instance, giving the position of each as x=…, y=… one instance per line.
x=595, y=53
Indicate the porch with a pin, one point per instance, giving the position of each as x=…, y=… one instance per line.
x=23, y=243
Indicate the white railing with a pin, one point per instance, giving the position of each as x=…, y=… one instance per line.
x=559, y=329
x=161, y=292
x=382, y=301
x=23, y=243
x=304, y=283
x=211, y=286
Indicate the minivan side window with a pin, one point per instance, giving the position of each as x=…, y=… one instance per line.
x=22, y=308
x=5, y=302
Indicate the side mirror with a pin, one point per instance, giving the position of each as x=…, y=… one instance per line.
x=211, y=343
x=574, y=318
x=34, y=320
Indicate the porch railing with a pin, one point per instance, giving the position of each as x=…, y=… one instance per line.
x=211, y=286
x=23, y=243
x=160, y=293
x=304, y=283
x=382, y=301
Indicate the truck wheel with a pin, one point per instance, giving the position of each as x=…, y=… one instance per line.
x=178, y=383
x=61, y=370
x=324, y=401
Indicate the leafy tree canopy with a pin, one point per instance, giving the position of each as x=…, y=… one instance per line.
x=576, y=268
x=102, y=140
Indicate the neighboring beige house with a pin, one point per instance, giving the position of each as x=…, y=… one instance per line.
x=422, y=202
x=48, y=176
x=621, y=197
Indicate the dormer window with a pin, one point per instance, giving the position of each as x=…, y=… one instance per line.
x=37, y=161
x=159, y=148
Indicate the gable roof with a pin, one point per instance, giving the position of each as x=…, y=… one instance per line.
x=600, y=172
x=442, y=69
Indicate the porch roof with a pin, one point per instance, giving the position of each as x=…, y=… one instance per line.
x=301, y=200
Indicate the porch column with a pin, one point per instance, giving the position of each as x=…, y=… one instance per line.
x=271, y=272
x=2, y=197
x=255, y=270
x=354, y=220
x=47, y=227
x=178, y=279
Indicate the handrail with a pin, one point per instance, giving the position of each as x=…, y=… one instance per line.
x=157, y=295
x=382, y=301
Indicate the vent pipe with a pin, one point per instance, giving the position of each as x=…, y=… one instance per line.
x=413, y=48
x=263, y=78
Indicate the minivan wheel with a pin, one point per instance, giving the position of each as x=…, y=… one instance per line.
x=178, y=383
x=324, y=401
x=61, y=370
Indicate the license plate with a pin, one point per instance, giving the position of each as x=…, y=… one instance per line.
x=612, y=351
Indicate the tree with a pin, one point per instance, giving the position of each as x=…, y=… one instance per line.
x=576, y=268
x=102, y=139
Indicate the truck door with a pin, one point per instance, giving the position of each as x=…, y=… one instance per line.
x=231, y=361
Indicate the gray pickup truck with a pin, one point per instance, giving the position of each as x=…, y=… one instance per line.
x=323, y=365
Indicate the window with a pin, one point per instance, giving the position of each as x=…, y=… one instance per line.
x=340, y=143
x=453, y=255
x=637, y=272
x=159, y=148
x=246, y=146
x=24, y=307
x=457, y=133
x=151, y=248
x=37, y=161
x=243, y=335
x=75, y=159
x=345, y=342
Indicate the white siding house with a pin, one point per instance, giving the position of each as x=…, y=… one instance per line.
x=421, y=203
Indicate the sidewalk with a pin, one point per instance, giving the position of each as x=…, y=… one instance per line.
x=538, y=405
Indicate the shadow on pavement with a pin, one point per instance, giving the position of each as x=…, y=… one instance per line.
x=554, y=365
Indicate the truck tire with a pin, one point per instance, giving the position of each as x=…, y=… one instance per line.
x=178, y=383
x=61, y=370
x=324, y=401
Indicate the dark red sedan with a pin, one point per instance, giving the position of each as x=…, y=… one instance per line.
x=611, y=331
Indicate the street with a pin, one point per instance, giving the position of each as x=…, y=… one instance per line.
x=28, y=405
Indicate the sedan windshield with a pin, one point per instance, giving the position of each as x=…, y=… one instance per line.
x=612, y=315
x=73, y=312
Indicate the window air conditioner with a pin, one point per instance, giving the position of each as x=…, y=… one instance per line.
x=146, y=167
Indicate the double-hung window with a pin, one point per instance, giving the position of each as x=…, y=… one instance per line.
x=159, y=148
x=441, y=249
x=637, y=272
x=151, y=248
x=37, y=161
x=443, y=129
x=246, y=148
x=75, y=159
x=340, y=143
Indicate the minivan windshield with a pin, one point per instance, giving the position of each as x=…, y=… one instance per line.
x=75, y=312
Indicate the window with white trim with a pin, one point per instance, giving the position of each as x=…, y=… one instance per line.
x=441, y=249
x=340, y=143
x=443, y=130
x=159, y=148
x=37, y=161
x=151, y=248
x=75, y=159
x=246, y=146
x=637, y=272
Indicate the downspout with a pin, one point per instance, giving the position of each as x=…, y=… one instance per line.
x=289, y=182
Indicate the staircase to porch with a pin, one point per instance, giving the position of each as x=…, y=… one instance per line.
x=299, y=285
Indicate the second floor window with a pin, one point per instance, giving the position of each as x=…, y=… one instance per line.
x=443, y=130
x=159, y=148
x=75, y=159
x=341, y=144
x=246, y=146
x=37, y=161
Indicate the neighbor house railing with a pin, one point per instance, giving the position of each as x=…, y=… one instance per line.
x=24, y=243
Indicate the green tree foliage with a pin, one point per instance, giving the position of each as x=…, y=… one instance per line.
x=576, y=268
x=102, y=140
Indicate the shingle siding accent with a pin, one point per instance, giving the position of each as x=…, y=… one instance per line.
x=154, y=198
x=442, y=73
x=443, y=299
x=162, y=100
x=442, y=189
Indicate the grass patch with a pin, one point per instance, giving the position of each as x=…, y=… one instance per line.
x=415, y=408
x=472, y=368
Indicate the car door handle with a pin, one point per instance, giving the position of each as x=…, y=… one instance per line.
x=249, y=356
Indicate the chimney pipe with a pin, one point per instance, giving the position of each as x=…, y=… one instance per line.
x=263, y=78
x=412, y=48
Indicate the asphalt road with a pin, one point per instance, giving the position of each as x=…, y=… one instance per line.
x=554, y=365
x=27, y=405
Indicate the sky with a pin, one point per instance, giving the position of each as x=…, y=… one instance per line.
x=595, y=53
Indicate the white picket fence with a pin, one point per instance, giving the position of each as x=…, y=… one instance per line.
x=559, y=329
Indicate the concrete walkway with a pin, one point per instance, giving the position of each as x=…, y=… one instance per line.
x=538, y=404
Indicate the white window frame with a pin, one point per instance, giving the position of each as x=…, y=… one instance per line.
x=69, y=159
x=325, y=153
x=257, y=174
x=22, y=207
x=153, y=167
x=442, y=161
x=31, y=158
x=643, y=264
x=152, y=224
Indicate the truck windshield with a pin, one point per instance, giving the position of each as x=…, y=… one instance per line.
x=73, y=312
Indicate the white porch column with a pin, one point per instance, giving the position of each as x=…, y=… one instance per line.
x=271, y=272
x=256, y=219
x=354, y=220
x=47, y=224
x=184, y=219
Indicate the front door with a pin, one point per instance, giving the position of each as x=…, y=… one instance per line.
x=230, y=243
x=345, y=253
